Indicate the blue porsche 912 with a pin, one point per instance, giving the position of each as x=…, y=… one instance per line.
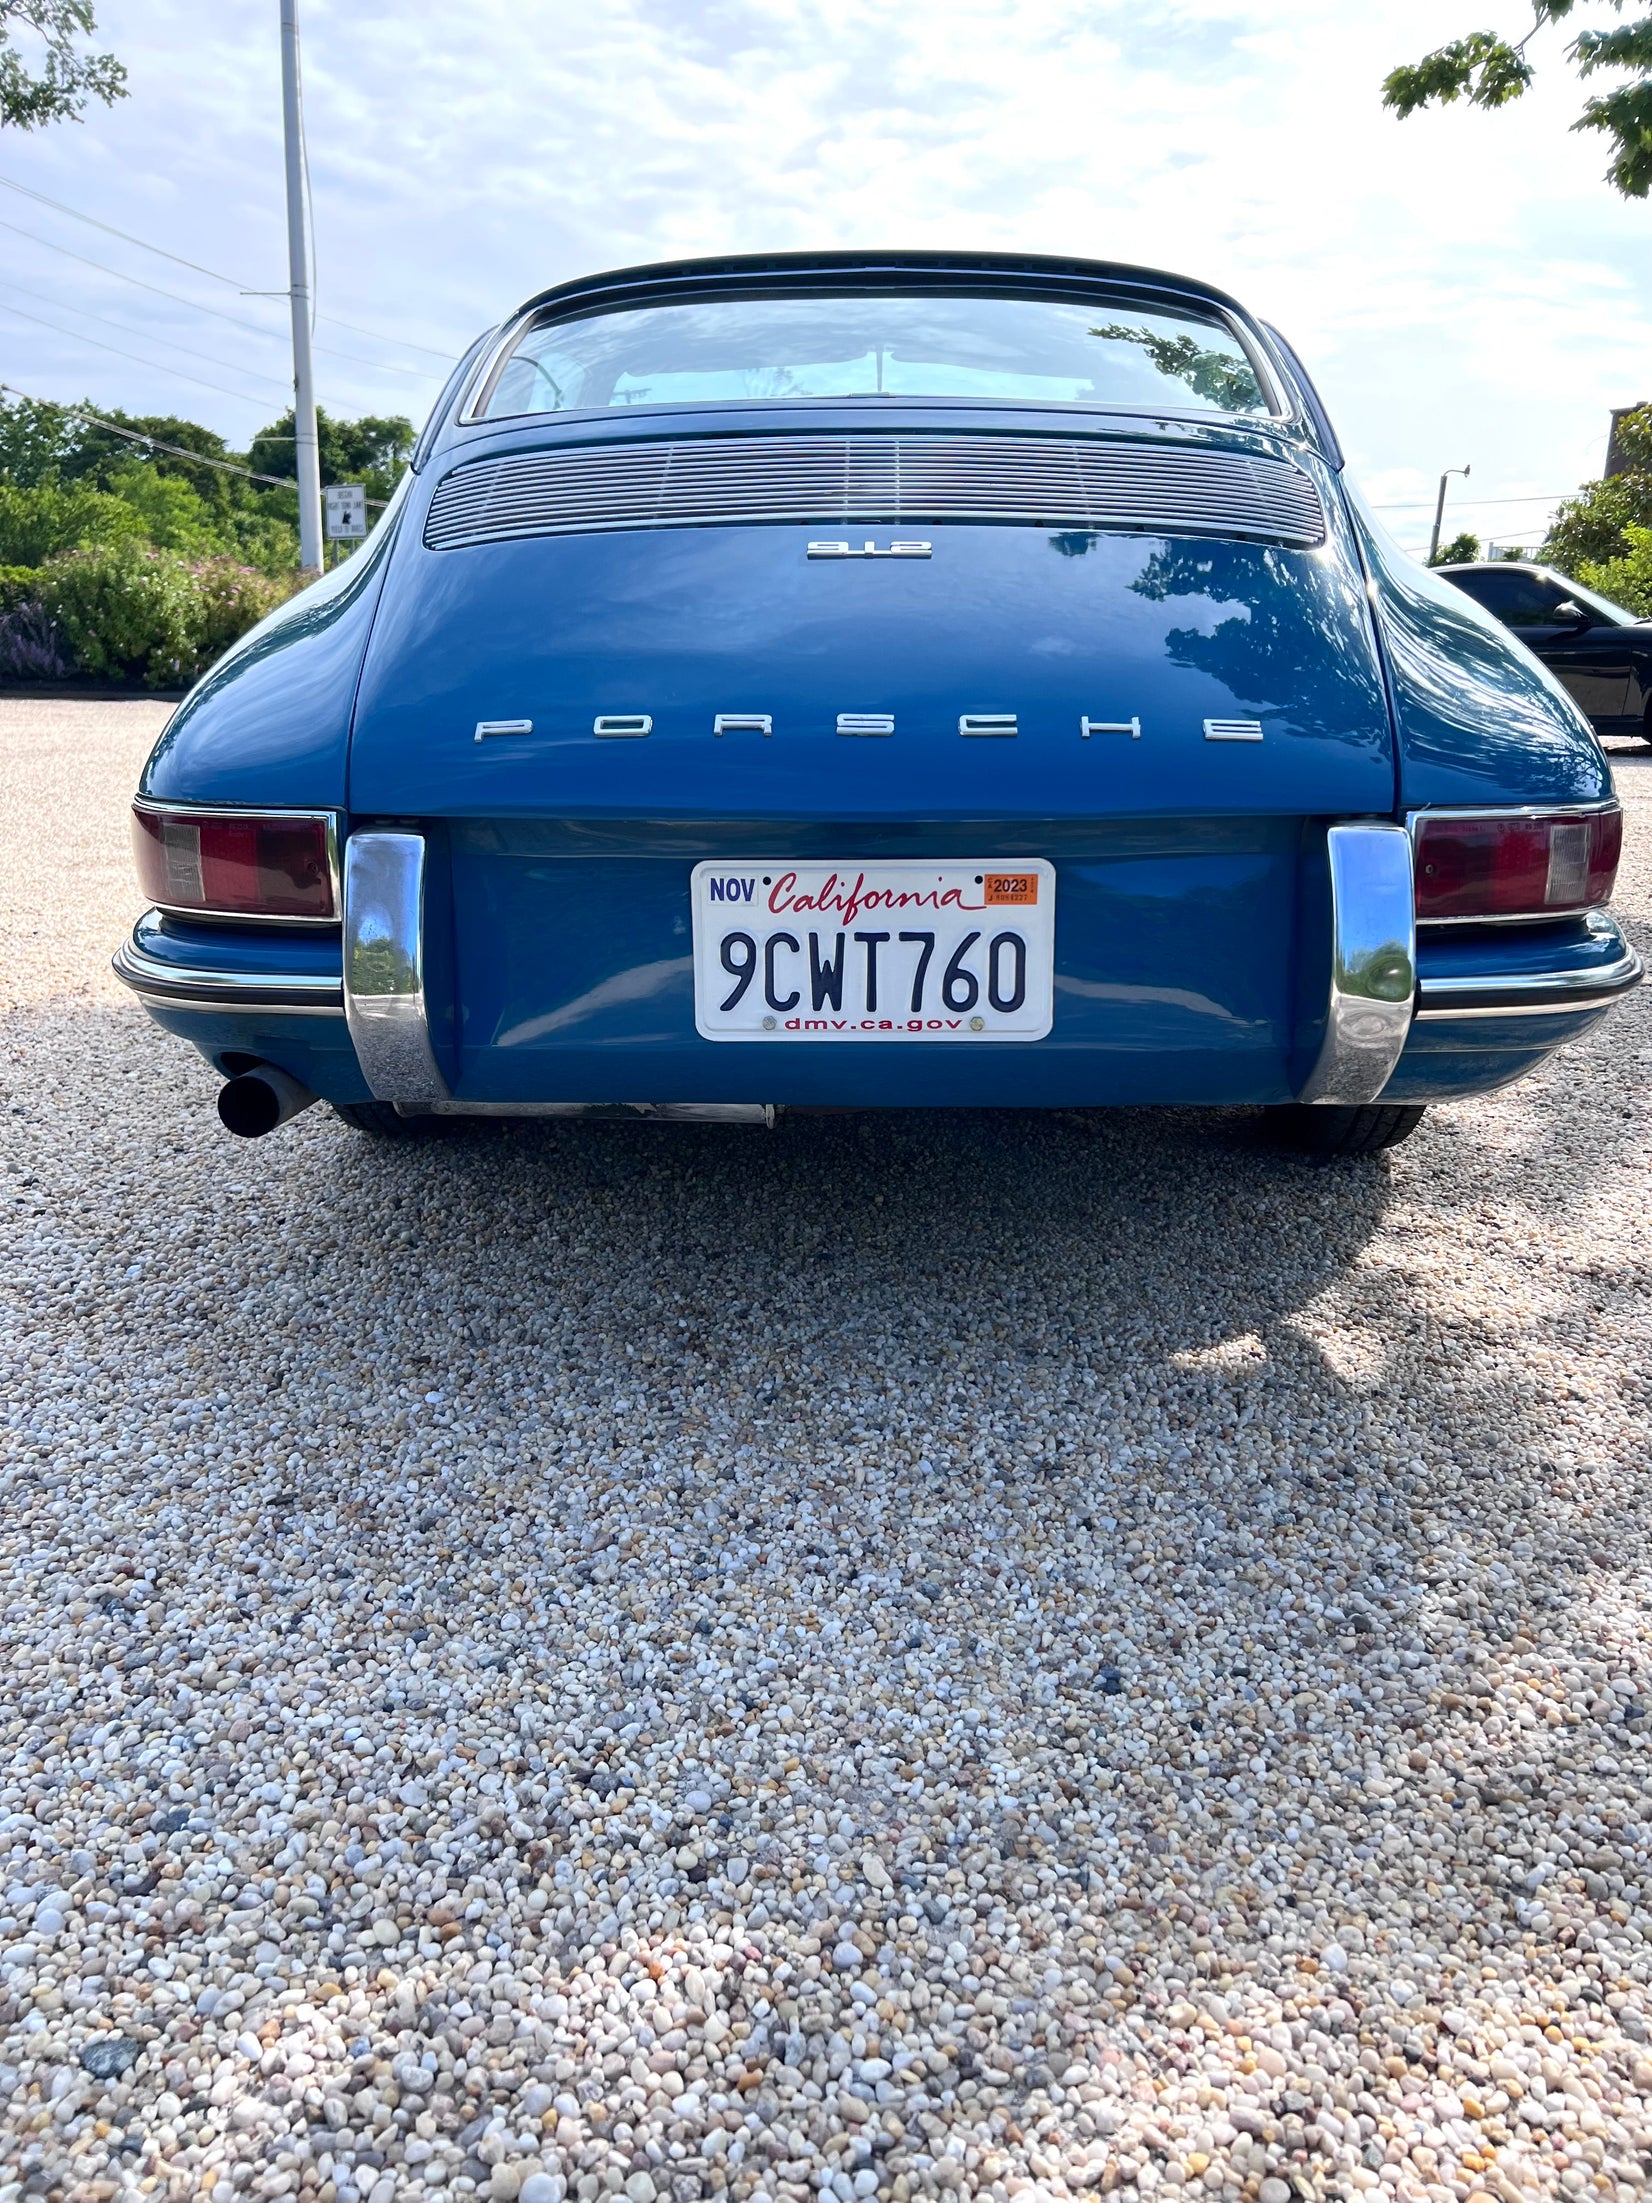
x=876, y=680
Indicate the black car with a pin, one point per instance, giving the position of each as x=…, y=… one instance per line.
x=1602, y=653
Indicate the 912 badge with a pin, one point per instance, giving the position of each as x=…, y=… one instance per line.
x=961, y=951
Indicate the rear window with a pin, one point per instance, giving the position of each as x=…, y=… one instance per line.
x=733, y=351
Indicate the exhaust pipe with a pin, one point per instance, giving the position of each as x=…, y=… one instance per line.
x=258, y=1100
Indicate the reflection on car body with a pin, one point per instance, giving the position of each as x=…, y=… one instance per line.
x=1167, y=779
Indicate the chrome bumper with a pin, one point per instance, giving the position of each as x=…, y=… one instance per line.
x=165, y=986
x=1532, y=994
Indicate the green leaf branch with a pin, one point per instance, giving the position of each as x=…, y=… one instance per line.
x=1489, y=71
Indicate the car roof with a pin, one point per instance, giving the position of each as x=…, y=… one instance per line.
x=1014, y=270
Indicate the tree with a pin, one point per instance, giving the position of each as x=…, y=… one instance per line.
x=63, y=77
x=373, y=450
x=1488, y=71
x=1595, y=527
x=1458, y=552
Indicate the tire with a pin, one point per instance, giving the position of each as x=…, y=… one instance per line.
x=1344, y=1130
x=380, y=1120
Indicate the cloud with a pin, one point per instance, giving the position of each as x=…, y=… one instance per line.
x=1464, y=286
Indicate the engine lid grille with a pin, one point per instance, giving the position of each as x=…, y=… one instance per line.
x=1033, y=481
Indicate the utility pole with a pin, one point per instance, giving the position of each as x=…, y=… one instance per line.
x=1439, y=510
x=307, y=449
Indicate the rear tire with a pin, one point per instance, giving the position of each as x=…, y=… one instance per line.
x=380, y=1120
x=1342, y=1128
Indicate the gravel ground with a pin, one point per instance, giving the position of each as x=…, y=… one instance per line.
x=1006, y=1656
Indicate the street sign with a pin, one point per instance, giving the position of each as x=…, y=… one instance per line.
x=346, y=511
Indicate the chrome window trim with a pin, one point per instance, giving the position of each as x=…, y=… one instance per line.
x=469, y=413
x=1559, y=916
x=190, y=987
x=384, y=982
x=329, y=819
x=1373, y=981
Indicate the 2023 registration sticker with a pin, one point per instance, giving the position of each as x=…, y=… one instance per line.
x=957, y=951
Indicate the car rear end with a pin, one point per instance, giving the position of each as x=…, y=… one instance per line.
x=933, y=750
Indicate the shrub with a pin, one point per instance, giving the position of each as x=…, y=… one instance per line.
x=17, y=585
x=124, y=611
x=31, y=648
x=37, y=524
x=230, y=599
x=128, y=612
x=1627, y=579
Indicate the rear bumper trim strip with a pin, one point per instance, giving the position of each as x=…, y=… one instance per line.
x=1520, y=994
x=167, y=986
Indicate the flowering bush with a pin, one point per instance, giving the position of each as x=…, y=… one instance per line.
x=126, y=611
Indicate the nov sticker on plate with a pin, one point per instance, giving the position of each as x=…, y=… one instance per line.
x=956, y=951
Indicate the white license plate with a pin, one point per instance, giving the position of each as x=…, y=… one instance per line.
x=958, y=951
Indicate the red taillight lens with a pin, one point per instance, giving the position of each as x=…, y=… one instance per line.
x=1516, y=867
x=238, y=864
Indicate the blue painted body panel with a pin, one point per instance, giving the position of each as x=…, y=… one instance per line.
x=1480, y=719
x=1190, y=937
x=270, y=723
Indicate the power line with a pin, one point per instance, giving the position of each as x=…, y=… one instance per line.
x=211, y=359
x=144, y=245
x=177, y=451
x=1473, y=504
x=134, y=436
x=125, y=235
x=120, y=352
x=273, y=336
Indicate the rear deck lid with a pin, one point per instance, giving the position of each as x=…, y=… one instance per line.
x=878, y=627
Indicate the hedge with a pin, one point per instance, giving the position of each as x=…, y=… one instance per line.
x=126, y=611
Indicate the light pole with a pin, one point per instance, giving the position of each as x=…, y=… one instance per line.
x=306, y=446
x=1439, y=510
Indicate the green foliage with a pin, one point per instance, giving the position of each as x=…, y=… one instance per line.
x=1627, y=579
x=17, y=586
x=131, y=563
x=36, y=524
x=1488, y=71
x=129, y=612
x=374, y=450
x=123, y=611
x=1593, y=527
x=62, y=78
x=1482, y=68
x=1458, y=551
x=1215, y=376
x=37, y=442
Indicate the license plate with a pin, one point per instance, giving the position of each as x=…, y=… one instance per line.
x=958, y=951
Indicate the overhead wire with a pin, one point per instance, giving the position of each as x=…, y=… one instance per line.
x=76, y=336
x=380, y=336
x=125, y=329
x=176, y=451
x=136, y=436
x=235, y=321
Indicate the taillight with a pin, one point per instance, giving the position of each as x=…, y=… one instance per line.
x=1516, y=864
x=236, y=864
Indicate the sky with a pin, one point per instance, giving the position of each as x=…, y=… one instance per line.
x=1465, y=288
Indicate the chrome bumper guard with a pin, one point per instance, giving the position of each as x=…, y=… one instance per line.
x=384, y=997
x=1373, y=964
x=165, y=986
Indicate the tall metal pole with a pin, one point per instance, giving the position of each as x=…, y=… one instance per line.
x=307, y=446
x=1439, y=510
